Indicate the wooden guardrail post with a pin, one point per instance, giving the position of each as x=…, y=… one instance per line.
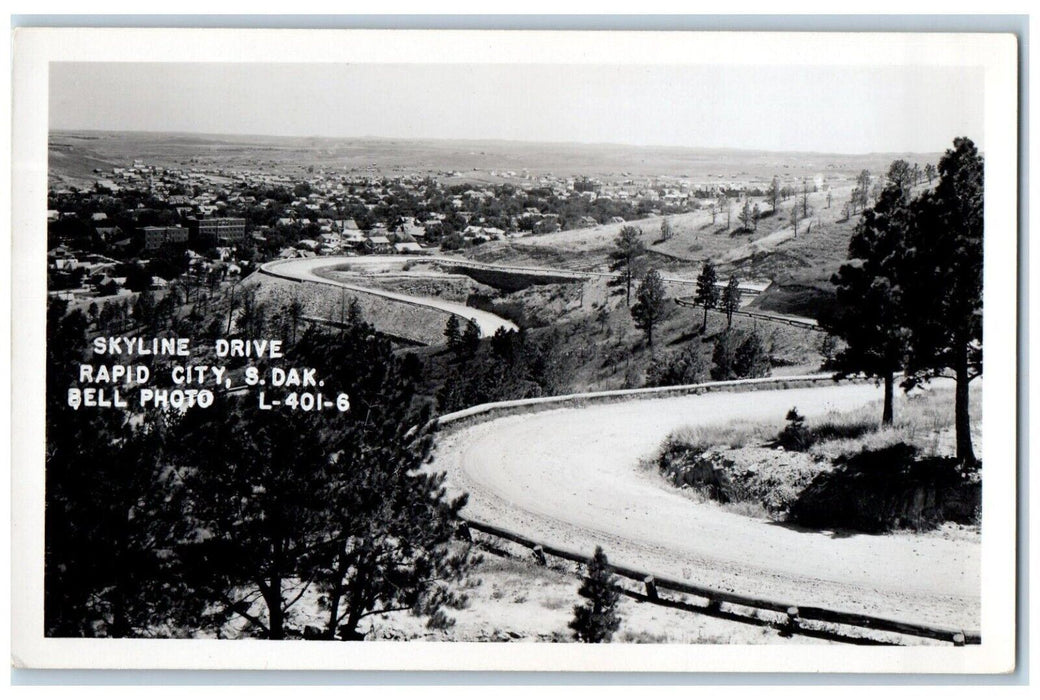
x=789, y=622
x=790, y=625
x=651, y=587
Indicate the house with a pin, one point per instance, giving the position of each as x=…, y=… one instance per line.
x=378, y=244
x=352, y=238
x=407, y=248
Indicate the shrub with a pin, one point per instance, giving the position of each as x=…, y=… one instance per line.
x=596, y=620
x=737, y=356
x=795, y=436
x=686, y=367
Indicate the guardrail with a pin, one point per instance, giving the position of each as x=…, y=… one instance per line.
x=806, y=323
x=486, y=411
x=791, y=616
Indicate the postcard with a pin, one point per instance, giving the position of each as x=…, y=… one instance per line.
x=514, y=350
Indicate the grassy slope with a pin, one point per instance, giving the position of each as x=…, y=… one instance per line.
x=600, y=348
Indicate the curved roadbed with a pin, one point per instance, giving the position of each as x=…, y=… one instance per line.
x=571, y=477
x=310, y=270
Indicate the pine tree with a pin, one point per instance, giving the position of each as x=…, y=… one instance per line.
x=725, y=206
x=650, y=306
x=870, y=315
x=628, y=249
x=596, y=620
x=944, y=280
x=471, y=337
x=731, y=300
x=746, y=214
x=666, y=229
x=773, y=193
x=707, y=290
x=453, y=332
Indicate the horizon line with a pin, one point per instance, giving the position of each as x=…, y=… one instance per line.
x=442, y=139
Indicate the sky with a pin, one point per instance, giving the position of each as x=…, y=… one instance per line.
x=826, y=109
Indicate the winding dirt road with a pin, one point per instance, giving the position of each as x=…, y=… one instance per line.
x=309, y=270
x=571, y=477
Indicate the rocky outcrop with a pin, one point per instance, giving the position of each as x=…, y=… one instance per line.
x=772, y=478
x=873, y=491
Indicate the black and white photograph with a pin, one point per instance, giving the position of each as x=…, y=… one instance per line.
x=599, y=350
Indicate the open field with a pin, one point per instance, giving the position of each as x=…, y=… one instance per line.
x=472, y=160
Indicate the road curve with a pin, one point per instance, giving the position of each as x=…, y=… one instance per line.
x=571, y=477
x=308, y=270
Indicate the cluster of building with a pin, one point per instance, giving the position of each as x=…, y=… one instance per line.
x=277, y=213
x=220, y=231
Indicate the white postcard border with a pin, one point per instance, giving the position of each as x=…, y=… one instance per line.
x=34, y=49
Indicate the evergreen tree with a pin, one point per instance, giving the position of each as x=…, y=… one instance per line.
x=341, y=506
x=666, y=229
x=861, y=193
x=901, y=176
x=870, y=315
x=746, y=214
x=453, y=332
x=739, y=356
x=773, y=193
x=625, y=257
x=707, y=290
x=944, y=281
x=596, y=620
x=731, y=300
x=651, y=305
x=471, y=337
x=752, y=357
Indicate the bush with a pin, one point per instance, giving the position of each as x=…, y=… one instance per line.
x=596, y=620
x=676, y=369
x=738, y=356
x=795, y=436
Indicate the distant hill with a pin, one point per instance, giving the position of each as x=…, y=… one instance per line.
x=73, y=156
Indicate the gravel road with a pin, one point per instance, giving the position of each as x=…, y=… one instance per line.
x=308, y=270
x=572, y=477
